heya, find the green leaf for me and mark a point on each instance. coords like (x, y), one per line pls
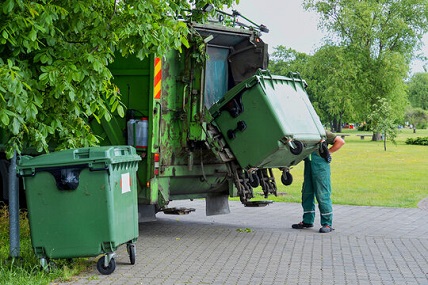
(77, 76)
(185, 42)
(98, 66)
(4, 118)
(15, 126)
(114, 106)
(9, 63)
(33, 35)
(5, 34)
(121, 111)
(44, 58)
(97, 118)
(32, 111)
(52, 76)
(8, 6)
(90, 58)
(38, 100)
(44, 77)
(33, 12)
(71, 95)
(107, 116)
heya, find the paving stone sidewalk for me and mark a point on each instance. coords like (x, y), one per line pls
(371, 245)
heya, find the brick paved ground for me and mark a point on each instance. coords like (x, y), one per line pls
(371, 245)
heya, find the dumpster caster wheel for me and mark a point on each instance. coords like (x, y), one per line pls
(132, 252)
(297, 148)
(106, 270)
(47, 265)
(286, 178)
(44, 264)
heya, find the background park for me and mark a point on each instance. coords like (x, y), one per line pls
(359, 75)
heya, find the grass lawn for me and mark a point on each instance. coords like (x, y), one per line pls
(364, 174)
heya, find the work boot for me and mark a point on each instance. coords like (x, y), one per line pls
(301, 225)
(326, 229)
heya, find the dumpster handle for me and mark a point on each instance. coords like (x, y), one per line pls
(33, 173)
(184, 96)
(98, 168)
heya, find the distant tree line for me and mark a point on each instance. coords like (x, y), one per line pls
(361, 73)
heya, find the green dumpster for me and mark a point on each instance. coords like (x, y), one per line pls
(268, 121)
(82, 203)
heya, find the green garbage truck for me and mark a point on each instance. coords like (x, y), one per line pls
(211, 122)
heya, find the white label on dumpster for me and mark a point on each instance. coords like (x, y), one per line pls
(125, 183)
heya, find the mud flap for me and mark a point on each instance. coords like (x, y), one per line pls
(217, 205)
(146, 213)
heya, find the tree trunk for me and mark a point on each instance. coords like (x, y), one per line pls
(339, 129)
(384, 142)
(336, 125)
(377, 137)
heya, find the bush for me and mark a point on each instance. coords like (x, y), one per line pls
(417, 141)
(422, 125)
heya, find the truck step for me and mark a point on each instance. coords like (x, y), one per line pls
(178, 211)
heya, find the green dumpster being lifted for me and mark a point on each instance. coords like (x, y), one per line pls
(268, 121)
(82, 203)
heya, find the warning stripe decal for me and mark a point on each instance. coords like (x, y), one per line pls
(158, 78)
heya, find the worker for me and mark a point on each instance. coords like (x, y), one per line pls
(317, 184)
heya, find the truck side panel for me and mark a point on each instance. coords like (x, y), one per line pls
(134, 79)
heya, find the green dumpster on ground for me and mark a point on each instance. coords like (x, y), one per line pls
(82, 203)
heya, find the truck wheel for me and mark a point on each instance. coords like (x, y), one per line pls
(106, 270)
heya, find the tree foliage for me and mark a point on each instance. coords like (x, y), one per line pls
(382, 121)
(418, 90)
(417, 117)
(375, 26)
(285, 60)
(54, 57)
(379, 38)
(332, 75)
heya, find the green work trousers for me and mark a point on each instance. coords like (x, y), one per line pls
(317, 185)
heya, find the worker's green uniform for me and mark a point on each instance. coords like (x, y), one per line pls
(317, 185)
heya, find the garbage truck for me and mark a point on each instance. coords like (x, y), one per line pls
(211, 121)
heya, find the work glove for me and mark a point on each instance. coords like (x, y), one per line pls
(324, 153)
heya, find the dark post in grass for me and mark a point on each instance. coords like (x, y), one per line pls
(13, 209)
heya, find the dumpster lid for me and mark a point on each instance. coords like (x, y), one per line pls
(106, 154)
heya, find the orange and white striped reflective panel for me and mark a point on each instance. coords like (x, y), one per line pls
(158, 78)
